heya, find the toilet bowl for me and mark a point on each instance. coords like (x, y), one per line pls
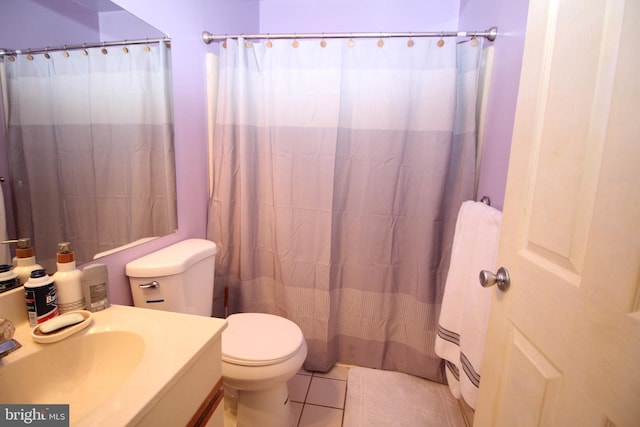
(260, 352)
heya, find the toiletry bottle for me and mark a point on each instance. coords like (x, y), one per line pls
(40, 295)
(8, 279)
(95, 284)
(68, 280)
(25, 260)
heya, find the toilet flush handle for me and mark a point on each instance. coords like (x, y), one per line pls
(153, 284)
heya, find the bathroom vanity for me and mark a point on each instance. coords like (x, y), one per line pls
(128, 367)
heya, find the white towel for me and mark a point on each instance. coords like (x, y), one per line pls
(462, 327)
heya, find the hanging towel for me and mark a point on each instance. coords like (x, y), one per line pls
(464, 315)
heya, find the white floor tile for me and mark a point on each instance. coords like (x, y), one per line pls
(303, 371)
(338, 372)
(296, 411)
(327, 392)
(320, 416)
(298, 387)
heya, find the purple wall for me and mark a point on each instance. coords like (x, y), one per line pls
(510, 16)
(31, 23)
(184, 21)
(291, 16)
(120, 24)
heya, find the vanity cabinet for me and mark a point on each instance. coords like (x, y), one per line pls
(196, 398)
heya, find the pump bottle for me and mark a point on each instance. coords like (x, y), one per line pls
(68, 280)
(25, 260)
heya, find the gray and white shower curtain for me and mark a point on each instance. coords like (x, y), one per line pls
(338, 174)
(90, 143)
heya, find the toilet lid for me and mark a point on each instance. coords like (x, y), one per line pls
(259, 339)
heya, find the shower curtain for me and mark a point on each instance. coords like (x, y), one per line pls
(92, 129)
(339, 170)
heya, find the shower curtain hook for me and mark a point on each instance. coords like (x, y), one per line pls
(380, 41)
(323, 42)
(268, 43)
(351, 43)
(441, 41)
(410, 43)
(295, 43)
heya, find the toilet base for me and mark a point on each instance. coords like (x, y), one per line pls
(265, 408)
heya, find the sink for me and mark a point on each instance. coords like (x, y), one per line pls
(114, 371)
(88, 369)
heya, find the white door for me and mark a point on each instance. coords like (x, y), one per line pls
(563, 347)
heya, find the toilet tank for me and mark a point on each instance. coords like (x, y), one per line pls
(176, 278)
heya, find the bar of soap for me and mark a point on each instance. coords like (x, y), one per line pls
(60, 322)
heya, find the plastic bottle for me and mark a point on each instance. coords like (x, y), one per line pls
(8, 279)
(41, 298)
(25, 260)
(68, 280)
(95, 284)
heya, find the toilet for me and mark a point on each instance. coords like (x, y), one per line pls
(260, 352)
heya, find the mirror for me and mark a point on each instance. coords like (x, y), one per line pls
(128, 150)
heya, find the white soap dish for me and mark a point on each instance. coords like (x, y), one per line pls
(64, 332)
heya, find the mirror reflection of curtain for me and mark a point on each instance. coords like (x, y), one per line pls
(339, 172)
(91, 153)
(5, 254)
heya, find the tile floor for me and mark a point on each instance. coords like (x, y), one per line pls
(317, 399)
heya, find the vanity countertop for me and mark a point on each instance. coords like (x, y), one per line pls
(153, 349)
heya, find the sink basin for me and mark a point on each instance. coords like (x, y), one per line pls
(88, 369)
(114, 371)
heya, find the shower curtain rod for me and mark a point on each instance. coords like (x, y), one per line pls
(489, 34)
(7, 52)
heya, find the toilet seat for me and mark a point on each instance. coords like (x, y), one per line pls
(259, 339)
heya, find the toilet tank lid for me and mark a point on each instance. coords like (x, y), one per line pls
(173, 259)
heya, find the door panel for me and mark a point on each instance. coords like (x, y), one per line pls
(563, 347)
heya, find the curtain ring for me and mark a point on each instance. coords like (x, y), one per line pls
(351, 43)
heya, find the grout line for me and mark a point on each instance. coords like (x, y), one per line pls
(304, 404)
